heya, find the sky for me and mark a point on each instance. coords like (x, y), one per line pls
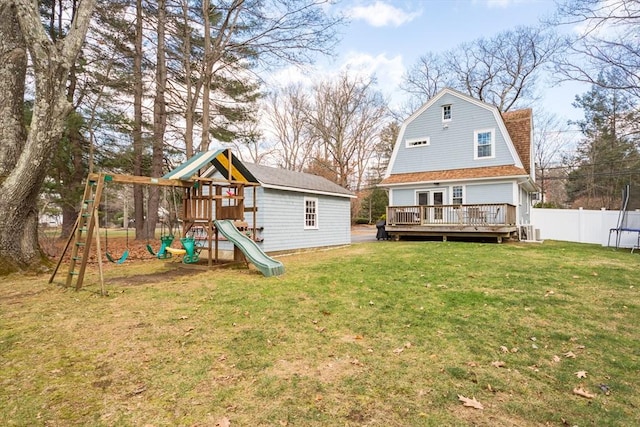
(385, 38)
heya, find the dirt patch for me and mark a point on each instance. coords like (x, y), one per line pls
(326, 372)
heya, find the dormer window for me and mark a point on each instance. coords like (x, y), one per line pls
(446, 113)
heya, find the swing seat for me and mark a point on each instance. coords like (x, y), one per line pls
(176, 251)
(122, 259)
(163, 253)
(189, 245)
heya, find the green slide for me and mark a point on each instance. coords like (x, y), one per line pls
(267, 265)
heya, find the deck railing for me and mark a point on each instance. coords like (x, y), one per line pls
(472, 214)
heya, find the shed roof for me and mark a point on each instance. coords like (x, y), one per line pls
(294, 181)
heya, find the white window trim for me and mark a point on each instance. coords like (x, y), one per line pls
(304, 217)
(411, 142)
(450, 113)
(464, 193)
(475, 143)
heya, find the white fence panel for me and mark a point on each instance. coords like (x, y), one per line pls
(584, 226)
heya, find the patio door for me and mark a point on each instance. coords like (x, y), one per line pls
(433, 199)
(438, 199)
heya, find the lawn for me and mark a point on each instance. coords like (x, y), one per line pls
(376, 334)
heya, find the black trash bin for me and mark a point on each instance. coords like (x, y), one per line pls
(382, 233)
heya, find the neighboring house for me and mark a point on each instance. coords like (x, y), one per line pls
(461, 168)
(297, 210)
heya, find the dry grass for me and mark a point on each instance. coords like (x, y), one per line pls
(380, 334)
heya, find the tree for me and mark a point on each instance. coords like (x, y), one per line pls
(608, 41)
(550, 143)
(52, 62)
(287, 110)
(608, 157)
(344, 122)
(501, 70)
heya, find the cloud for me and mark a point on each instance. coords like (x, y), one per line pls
(388, 71)
(503, 4)
(381, 14)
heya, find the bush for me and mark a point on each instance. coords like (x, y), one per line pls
(362, 221)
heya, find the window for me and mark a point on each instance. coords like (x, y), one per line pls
(446, 113)
(457, 195)
(417, 142)
(483, 143)
(310, 213)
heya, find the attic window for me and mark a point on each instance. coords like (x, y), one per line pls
(446, 113)
(417, 142)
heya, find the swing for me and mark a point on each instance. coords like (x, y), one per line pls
(165, 242)
(125, 254)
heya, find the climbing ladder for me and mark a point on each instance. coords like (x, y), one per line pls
(82, 233)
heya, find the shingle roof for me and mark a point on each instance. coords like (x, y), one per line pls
(295, 180)
(454, 174)
(519, 124)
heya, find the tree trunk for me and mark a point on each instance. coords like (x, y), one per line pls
(159, 121)
(20, 189)
(138, 148)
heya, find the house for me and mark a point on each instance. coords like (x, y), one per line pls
(461, 168)
(296, 210)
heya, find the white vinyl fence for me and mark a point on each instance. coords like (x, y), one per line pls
(584, 226)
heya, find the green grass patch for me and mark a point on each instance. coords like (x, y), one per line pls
(377, 334)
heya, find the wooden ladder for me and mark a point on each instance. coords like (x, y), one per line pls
(82, 233)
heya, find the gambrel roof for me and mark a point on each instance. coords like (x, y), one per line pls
(515, 126)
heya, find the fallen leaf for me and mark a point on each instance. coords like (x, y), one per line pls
(359, 337)
(514, 350)
(556, 359)
(222, 358)
(497, 364)
(407, 345)
(580, 347)
(581, 374)
(569, 355)
(583, 393)
(546, 294)
(504, 349)
(605, 389)
(223, 422)
(472, 364)
(398, 350)
(471, 403)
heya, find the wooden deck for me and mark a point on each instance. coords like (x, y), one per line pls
(473, 220)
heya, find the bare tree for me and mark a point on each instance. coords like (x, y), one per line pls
(607, 41)
(287, 110)
(501, 70)
(550, 145)
(345, 120)
(238, 35)
(52, 62)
